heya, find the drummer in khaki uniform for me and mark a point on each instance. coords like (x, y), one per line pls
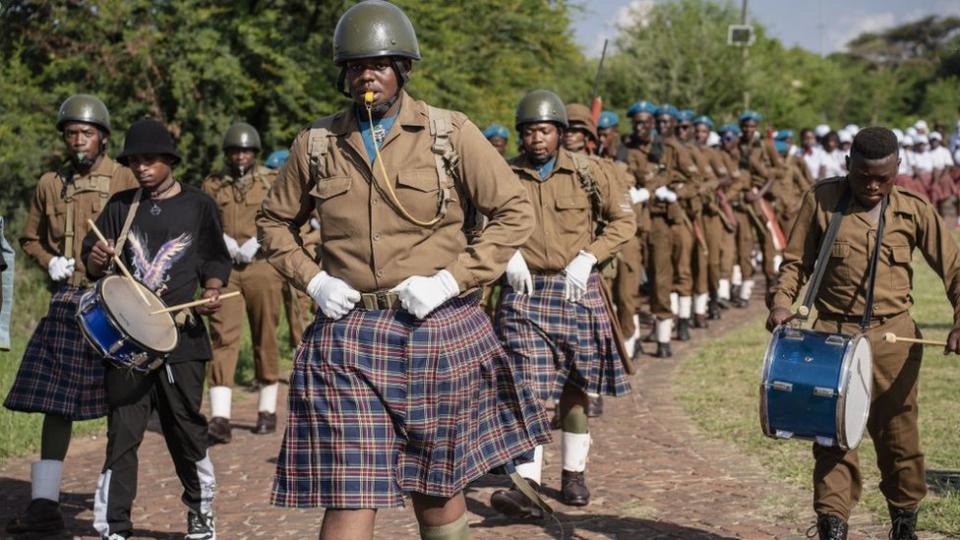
(552, 317)
(910, 223)
(59, 209)
(239, 191)
(400, 385)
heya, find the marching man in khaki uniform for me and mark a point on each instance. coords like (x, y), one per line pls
(870, 203)
(239, 191)
(552, 317)
(400, 386)
(59, 209)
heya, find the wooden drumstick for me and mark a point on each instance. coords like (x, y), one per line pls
(199, 302)
(890, 337)
(119, 263)
(801, 313)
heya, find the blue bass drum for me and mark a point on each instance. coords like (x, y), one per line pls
(816, 386)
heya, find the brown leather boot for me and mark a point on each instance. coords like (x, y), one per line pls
(266, 423)
(573, 489)
(513, 503)
(218, 431)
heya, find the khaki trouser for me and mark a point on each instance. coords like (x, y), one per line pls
(745, 243)
(720, 250)
(668, 266)
(260, 285)
(298, 308)
(837, 482)
(699, 260)
(626, 289)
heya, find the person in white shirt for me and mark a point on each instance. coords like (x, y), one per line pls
(905, 176)
(812, 154)
(943, 188)
(955, 142)
(833, 156)
(846, 141)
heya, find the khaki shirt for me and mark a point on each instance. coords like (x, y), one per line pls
(640, 166)
(788, 189)
(911, 223)
(44, 236)
(564, 216)
(364, 240)
(761, 160)
(239, 200)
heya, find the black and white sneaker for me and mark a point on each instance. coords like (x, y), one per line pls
(200, 527)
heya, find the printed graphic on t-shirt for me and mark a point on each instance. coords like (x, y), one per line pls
(154, 271)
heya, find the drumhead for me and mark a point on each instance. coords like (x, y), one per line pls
(155, 332)
(859, 384)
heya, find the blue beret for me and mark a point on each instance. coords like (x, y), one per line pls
(784, 134)
(685, 114)
(729, 128)
(751, 115)
(666, 108)
(496, 130)
(781, 146)
(703, 119)
(608, 119)
(641, 106)
(276, 159)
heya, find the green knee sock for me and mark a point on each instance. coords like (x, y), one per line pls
(458, 530)
(55, 437)
(575, 421)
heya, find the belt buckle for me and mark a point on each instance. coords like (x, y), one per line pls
(383, 301)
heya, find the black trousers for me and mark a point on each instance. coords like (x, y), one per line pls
(175, 392)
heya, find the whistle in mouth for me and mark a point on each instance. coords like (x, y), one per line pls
(368, 97)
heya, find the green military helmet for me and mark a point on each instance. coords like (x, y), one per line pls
(374, 28)
(241, 135)
(84, 108)
(541, 106)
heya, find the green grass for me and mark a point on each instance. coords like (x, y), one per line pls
(21, 431)
(719, 386)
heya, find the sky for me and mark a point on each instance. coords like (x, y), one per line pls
(821, 26)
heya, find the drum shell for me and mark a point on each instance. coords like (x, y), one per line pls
(804, 387)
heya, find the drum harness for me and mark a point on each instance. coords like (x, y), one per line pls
(821, 264)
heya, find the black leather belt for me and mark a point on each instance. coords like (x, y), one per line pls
(856, 318)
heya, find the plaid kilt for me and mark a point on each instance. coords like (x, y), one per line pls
(60, 373)
(553, 341)
(381, 403)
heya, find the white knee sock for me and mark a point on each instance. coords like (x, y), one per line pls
(700, 304)
(674, 303)
(664, 329)
(736, 277)
(267, 399)
(746, 289)
(534, 469)
(686, 307)
(220, 401)
(777, 260)
(723, 289)
(45, 479)
(636, 327)
(575, 447)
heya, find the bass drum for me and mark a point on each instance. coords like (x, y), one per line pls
(816, 386)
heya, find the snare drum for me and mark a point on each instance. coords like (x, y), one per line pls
(116, 322)
(816, 386)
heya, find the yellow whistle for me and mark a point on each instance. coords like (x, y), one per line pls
(368, 97)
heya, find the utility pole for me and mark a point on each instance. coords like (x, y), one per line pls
(743, 58)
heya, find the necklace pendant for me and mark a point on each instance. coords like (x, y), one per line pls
(155, 210)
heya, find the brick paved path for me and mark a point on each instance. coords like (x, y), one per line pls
(652, 474)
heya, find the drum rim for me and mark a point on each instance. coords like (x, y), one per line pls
(106, 306)
(764, 376)
(843, 383)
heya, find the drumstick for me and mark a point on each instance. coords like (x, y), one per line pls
(199, 302)
(802, 313)
(119, 263)
(890, 337)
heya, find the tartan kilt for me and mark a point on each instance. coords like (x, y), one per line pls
(553, 341)
(381, 403)
(60, 373)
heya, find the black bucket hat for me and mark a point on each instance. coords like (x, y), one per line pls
(148, 136)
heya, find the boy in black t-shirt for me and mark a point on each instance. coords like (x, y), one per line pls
(174, 244)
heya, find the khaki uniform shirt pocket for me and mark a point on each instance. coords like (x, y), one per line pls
(56, 216)
(419, 192)
(840, 262)
(900, 258)
(327, 194)
(573, 216)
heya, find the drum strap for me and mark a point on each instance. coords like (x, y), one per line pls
(131, 213)
(824, 256)
(874, 259)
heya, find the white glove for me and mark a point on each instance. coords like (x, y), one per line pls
(664, 193)
(577, 275)
(420, 295)
(248, 250)
(639, 195)
(334, 296)
(60, 268)
(518, 275)
(314, 223)
(232, 246)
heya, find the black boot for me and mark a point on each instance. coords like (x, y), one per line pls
(683, 330)
(904, 524)
(594, 406)
(41, 516)
(831, 527)
(573, 489)
(663, 350)
(735, 291)
(700, 321)
(512, 502)
(740, 303)
(713, 310)
(652, 336)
